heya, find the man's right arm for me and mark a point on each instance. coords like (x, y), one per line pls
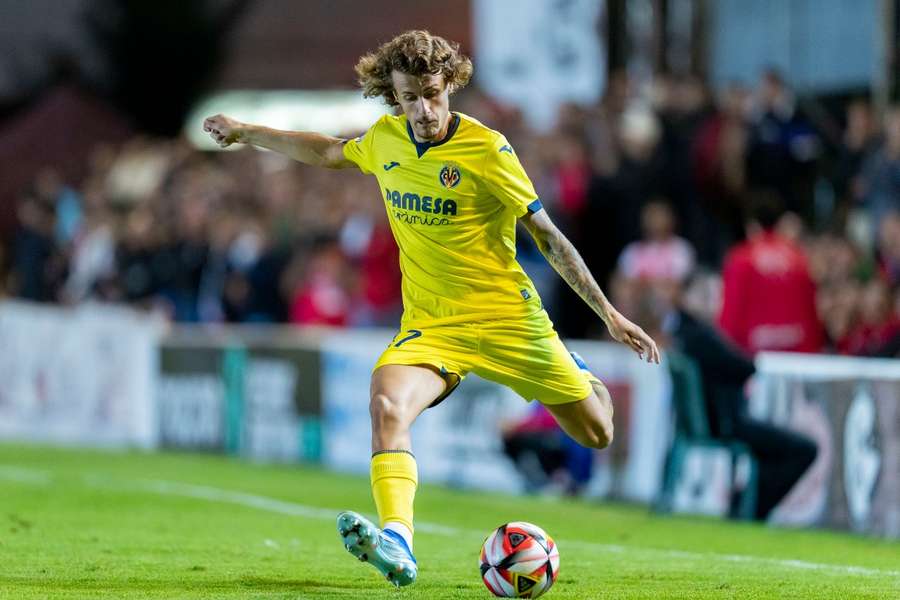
(307, 147)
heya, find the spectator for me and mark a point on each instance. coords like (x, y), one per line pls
(783, 456)
(92, 257)
(834, 259)
(889, 247)
(629, 175)
(878, 323)
(837, 305)
(660, 254)
(858, 144)
(782, 147)
(324, 295)
(34, 251)
(718, 153)
(880, 178)
(547, 458)
(768, 297)
(683, 111)
(367, 240)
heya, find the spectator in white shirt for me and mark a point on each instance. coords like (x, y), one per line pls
(660, 255)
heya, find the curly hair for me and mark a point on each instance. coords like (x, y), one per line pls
(415, 53)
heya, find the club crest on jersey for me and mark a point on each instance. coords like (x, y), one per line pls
(450, 176)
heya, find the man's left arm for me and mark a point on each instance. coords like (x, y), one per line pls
(566, 260)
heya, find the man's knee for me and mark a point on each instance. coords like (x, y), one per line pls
(600, 434)
(602, 426)
(387, 412)
(596, 433)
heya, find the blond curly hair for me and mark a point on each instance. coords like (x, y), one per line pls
(415, 53)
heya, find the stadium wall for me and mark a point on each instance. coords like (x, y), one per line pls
(851, 408)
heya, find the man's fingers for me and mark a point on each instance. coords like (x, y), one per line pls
(643, 344)
(636, 345)
(654, 352)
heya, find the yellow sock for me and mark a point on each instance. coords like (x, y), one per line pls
(394, 481)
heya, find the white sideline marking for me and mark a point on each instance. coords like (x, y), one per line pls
(212, 494)
(25, 475)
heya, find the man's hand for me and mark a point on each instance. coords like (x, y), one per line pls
(225, 131)
(623, 330)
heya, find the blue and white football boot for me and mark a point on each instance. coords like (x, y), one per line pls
(384, 549)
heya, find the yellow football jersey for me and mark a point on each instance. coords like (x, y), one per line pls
(453, 207)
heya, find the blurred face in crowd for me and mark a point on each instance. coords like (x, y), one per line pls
(771, 90)
(624, 292)
(425, 101)
(702, 296)
(860, 125)
(688, 95)
(639, 133)
(892, 129)
(48, 183)
(837, 307)
(790, 226)
(875, 301)
(657, 221)
(735, 101)
(667, 292)
(889, 236)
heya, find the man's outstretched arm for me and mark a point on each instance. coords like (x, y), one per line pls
(564, 258)
(307, 147)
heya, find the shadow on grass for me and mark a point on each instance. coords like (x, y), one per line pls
(133, 585)
(273, 584)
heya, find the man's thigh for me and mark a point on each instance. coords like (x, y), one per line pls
(446, 350)
(528, 356)
(413, 387)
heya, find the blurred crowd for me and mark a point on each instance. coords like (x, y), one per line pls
(657, 184)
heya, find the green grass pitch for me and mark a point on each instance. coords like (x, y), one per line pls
(87, 524)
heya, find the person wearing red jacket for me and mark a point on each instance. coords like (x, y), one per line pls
(769, 297)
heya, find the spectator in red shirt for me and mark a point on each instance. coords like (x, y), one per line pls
(324, 296)
(769, 298)
(878, 324)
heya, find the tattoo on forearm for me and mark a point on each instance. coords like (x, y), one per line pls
(564, 258)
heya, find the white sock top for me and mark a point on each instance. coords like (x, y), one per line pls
(401, 529)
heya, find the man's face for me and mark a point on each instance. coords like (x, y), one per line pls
(425, 101)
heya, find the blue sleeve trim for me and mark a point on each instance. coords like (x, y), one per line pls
(535, 206)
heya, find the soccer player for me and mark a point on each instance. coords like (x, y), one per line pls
(454, 190)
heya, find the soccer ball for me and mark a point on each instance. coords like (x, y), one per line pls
(519, 560)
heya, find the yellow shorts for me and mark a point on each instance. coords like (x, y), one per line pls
(524, 354)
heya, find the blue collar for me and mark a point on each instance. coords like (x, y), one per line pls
(422, 147)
